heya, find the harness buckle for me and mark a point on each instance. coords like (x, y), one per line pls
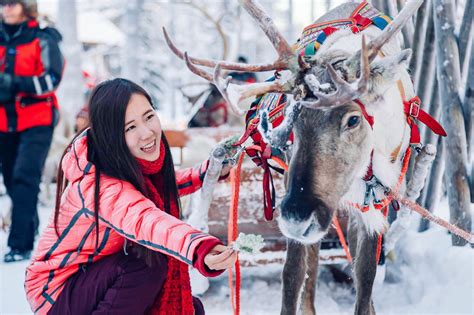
(371, 182)
(414, 108)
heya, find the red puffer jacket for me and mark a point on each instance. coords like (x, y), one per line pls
(124, 214)
(30, 60)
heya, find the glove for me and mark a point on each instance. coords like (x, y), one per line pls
(6, 88)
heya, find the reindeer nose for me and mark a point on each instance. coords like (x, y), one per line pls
(295, 206)
(299, 207)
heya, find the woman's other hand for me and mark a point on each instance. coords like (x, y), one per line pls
(220, 257)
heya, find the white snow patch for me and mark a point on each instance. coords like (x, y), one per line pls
(445, 26)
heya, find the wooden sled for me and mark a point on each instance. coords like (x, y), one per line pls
(251, 219)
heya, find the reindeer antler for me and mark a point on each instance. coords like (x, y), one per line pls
(285, 52)
(235, 66)
(392, 28)
(234, 93)
(279, 136)
(345, 92)
(196, 70)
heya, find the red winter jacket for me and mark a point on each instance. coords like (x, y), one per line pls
(124, 214)
(31, 60)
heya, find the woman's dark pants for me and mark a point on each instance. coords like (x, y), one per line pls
(118, 284)
(22, 157)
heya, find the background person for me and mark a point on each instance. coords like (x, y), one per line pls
(31, 67)
(243, 77)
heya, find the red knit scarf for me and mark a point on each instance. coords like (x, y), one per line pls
(175, 297)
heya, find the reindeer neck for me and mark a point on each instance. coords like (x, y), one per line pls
(391, 138)
(391, 132)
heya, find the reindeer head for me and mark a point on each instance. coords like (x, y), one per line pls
(333, 139)
(332, 145)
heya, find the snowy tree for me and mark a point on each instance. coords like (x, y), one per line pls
(130, 25)
(449, 80)
(70, 92)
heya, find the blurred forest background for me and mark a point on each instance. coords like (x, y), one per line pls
(110, 38)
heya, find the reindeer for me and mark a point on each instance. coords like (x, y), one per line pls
(347, 114)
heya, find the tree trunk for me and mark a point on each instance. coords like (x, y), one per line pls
(419, 38)
(468, 105)
(427, 58)
(393, 12)
(70, 92)
(409, 29)
(434, 111)
(328, 5)
(130, 51)
(423, 87)
(290, 29)
(429, 136)
(384, 7)
(465, 32)
(449, 79)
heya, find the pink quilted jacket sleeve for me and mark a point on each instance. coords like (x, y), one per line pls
(137, 218)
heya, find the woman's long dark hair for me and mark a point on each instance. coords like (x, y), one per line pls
(109, 153)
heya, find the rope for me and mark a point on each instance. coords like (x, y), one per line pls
(342, 239)
(280, 163)
(412, 205)
(378, 252)
(232, 233)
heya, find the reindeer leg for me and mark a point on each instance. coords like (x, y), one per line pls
(352, 230)
(309, 290)
(365, 267)
(293, 276)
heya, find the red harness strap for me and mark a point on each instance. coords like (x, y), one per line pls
(413, 111)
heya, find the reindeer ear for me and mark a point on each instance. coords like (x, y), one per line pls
(386, 71)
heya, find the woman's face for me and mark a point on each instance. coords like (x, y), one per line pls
(13, 13)
(142, 129)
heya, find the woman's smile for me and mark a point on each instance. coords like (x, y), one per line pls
(150, 147)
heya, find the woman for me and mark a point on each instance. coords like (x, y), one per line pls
(31, 67)
(115, 244)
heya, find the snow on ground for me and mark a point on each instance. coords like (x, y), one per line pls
(436, 278)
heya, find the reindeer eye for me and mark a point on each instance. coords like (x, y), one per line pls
(353, 121)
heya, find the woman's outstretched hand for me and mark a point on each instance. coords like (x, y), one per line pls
(220, 257)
